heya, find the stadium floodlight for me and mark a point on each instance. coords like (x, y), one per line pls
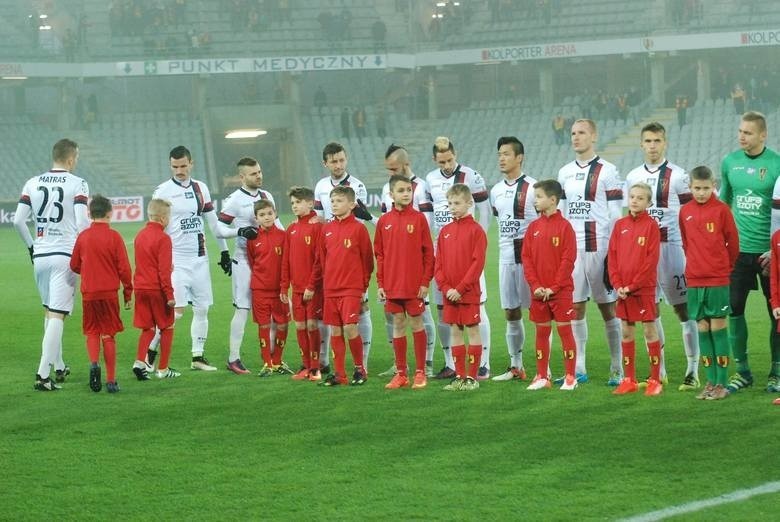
(43, 16)
(44, 28)
(244, 133)
(441, 4)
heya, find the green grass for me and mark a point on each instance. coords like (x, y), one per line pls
(222, 446)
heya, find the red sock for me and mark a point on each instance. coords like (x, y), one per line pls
(420, 346)
(542, 350)
(339, 354)
(279, 342)
(459, 356)
(569, 348)
(143, 343)
(654, 350)
(399, 348)
(475, 357)
(166, 343)
(629, 359)
(303, 344)
(109, 355)
(314, 348)
(93, 348)
(265, 346)
(356, 347)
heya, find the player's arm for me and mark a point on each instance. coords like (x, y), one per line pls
(613, 187)
(80, 210)
(427, 252)
(75, 257)
(613, 261)
(568, 257)
(481, 197)
(476, 265)
(438, 268)
(725, 194)
(211, 220)
(774, 277)
(225, 228)
(123, 267)
(165, 267)
(361, 210)
(379, 253)
(284, 283)
(732, 237)
(368, 257)
(648, 265)
(775, 219)
(529, 270)
(23, 213)
(426, 205)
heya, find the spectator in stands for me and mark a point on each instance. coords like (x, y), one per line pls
(69, 45)
(622, 107)
(558, 129)
(722, 82)
(320, 99)
(79, 111)
(379, 34)
(345, 122)
(680, 106)
(92, 109)
(381, 123)
(738, 97)
(359, 122)
(602, 102)
(81, 35)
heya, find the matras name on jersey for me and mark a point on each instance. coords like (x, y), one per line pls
(127, 209)
(529, 52)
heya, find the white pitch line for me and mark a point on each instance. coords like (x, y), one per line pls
(698, 505)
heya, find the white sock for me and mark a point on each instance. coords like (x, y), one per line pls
(59, 363)
(661, 337)
(484, 332)
(366, 331)
(690, 335)
(614, 330)
(430, 333)
(579, 328)
(52, 340)
(155, 340)
(324, 344)
(515, 338)
(444, 338)
(237, 325)
(199, 330)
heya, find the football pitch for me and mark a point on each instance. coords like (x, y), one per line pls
(223, 446)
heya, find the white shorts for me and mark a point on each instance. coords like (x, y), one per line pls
(512, 286)
(192, 282)
(671, 275)
(589, 278)
(56, 282)
(240, 280)
(438, 299)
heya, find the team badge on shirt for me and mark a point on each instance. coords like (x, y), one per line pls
(278, 250)
(710, 227)
(641, 240)
(410, 228)
(307, 240)
(347, 243)
(556, 241)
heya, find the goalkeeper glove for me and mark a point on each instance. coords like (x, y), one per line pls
(225, 262)
(248, 232)
(361, 212)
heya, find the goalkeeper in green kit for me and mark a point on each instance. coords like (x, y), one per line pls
(750, 185)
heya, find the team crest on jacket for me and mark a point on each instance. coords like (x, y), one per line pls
(641, 240)
(556, 241)
(347, 243)
(762, 173)
(307, 240)
(278, 250)
(410, 228)
(710, 227)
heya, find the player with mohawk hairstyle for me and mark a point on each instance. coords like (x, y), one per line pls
(440, 180)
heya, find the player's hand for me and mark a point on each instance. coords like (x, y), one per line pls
(308, 294)
(284, 299)
(453, 295)
(422, 292)
(623, 292)
(129, 304)
(548, 293)
(31, 250)
(380, 293)
(248, 232)
(171, 303)
(316, 219)
(225, 262)
(361, 212)
(776, 313)
(539, 293)
(765, 260)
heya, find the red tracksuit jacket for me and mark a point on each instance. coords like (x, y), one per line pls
(265, 254)
(774, 272)
(298, 258)
(711, 242)
(634, 249)
(154, 260)
(345, 260)
(549, 252)
(460, 258)
(100, 256)
(404, 253)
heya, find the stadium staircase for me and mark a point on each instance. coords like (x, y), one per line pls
(624, 150)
